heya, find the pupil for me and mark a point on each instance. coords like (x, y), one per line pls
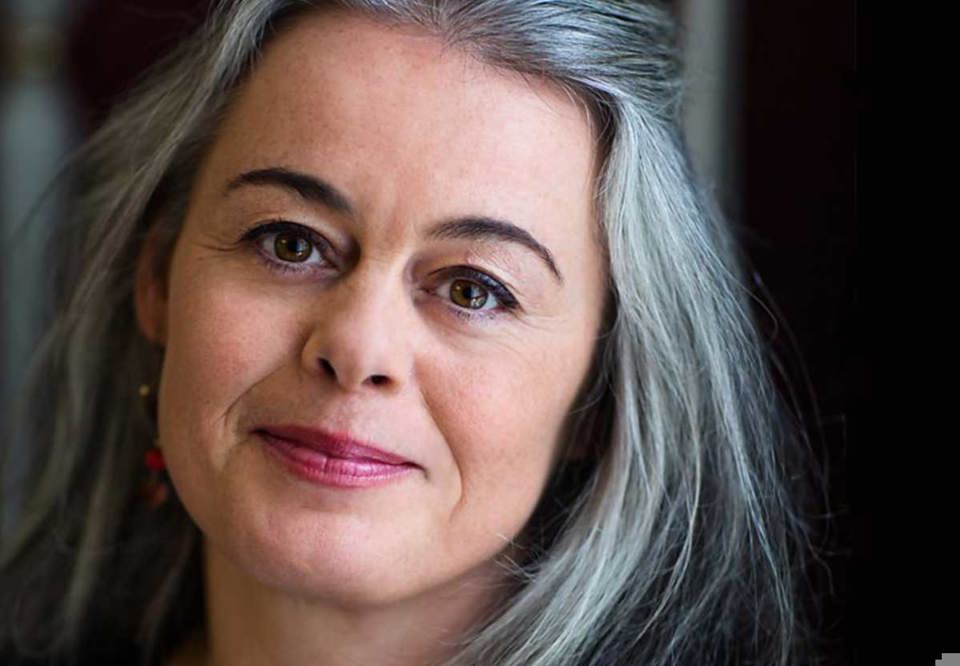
(473, 295)
(292, 248)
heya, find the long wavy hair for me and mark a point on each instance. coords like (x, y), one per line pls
(682, 538)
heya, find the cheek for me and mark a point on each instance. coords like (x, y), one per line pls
(216, 351)
(502, 418)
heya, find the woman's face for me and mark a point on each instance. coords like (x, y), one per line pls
(370, 308)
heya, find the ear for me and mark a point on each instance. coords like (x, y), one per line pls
(150, 290)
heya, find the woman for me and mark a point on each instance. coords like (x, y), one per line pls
(446, 358)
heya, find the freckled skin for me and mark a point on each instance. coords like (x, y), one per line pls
(413, 134)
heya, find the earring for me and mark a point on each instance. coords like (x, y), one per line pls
(155, 489)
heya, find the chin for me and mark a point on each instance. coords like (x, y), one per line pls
(324, 561)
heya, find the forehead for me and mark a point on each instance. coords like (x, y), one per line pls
(390, 115)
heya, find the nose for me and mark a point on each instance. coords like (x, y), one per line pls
(356, 337)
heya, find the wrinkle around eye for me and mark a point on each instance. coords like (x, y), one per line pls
(523, 281)
(512, 268)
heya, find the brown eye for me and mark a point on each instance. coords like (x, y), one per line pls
(292, 247)
(468, 294)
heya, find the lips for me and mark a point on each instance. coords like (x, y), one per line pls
(334, 445)
(332, 460)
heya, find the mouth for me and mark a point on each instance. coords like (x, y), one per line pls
(332, 460)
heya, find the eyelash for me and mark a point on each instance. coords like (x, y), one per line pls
(507, 303)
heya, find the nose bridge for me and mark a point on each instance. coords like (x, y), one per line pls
(355, 339)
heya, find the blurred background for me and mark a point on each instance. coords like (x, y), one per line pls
(775, 93)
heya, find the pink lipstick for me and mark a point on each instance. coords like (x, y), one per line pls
(332, 459)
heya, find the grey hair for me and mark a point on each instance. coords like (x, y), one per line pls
(681, 539)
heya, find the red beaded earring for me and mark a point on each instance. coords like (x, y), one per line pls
(155, 489)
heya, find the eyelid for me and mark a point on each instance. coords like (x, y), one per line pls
(262, 229)
(506, 301)
(495, 287)
(279, 226)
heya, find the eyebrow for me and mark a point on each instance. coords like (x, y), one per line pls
(310, 188)
(473, 227)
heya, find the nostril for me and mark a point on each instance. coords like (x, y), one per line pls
(328, 368)
(378, 379)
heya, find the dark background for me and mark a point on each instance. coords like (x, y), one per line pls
(801, 98)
